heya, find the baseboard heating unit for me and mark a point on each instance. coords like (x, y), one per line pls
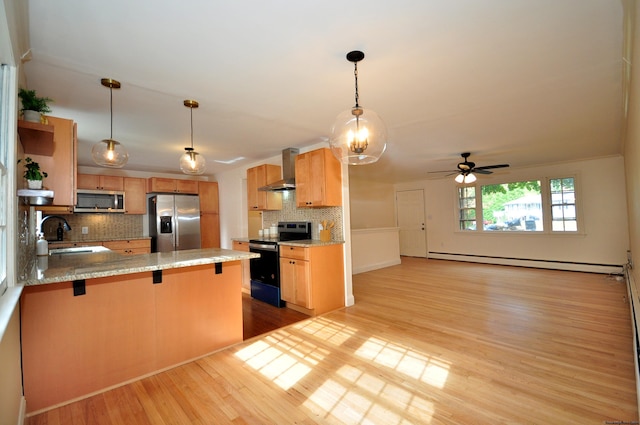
(524, 262)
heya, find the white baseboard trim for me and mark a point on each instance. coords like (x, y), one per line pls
(632, 292)
(541, 264)
(376, 266)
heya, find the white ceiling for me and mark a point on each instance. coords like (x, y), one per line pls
(523, 82)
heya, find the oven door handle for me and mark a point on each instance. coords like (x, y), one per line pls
(264, 247)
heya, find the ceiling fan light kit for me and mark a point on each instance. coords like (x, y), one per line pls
(358, 136)
(465, 178)
(191, 162)
(109, 152)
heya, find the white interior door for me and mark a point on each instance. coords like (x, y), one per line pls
(410, 213)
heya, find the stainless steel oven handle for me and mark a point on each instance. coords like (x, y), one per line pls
(265, 247)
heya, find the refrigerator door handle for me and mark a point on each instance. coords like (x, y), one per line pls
(176, 232)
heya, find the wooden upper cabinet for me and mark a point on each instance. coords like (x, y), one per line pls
(318, 179)
(208, 192)
(187, 186)
(165, 185)
(209, 218)
(135, 195)
(100, 182)
(60, 165)
(260, 176)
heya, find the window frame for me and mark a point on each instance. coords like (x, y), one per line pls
(545, 193)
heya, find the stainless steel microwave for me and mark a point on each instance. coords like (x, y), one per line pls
(110, 201)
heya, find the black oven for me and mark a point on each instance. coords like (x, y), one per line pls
(265, 271)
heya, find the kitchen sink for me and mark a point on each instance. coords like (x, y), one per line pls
(78, 250)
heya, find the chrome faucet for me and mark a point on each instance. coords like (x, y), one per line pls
(65, 225)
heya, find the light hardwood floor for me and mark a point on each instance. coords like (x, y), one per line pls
(427, 342)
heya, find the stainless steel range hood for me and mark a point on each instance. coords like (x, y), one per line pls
(288, 181)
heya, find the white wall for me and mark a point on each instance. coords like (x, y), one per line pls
(601, 200)
(372, 204)
(373, 249)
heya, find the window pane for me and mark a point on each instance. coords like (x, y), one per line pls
(563, 205)
(467, 207)
(513, 206)
(468, 214)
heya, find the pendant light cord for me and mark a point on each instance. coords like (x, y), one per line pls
(355, 74)
(111, 108)
(191, 108)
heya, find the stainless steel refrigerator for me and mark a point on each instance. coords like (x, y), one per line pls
(174, 222)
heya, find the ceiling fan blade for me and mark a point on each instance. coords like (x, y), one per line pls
(488, 167)
(481, 171)
(443, 171)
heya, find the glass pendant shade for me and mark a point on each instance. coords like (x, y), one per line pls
(109, 153)
(191, 162)
(358, 137)
(465, 178)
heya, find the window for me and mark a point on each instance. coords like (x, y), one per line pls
(467, 197)
(524, 206)
(512, 206)
(6, 100)
(563, 205)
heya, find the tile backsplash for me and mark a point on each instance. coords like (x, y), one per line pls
(100, 227)
(290, 212)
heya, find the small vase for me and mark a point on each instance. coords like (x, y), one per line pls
(34, 184)
(31, 116)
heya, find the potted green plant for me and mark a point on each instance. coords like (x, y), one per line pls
(33, 174)
(33, 106)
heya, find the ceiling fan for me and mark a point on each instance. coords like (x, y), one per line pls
(466, 169)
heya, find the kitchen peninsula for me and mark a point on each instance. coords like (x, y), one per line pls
(92, 321)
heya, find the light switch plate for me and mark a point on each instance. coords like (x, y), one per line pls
(85, 230)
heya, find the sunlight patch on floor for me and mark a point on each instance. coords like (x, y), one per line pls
(327, 330)
(349, 398)
(281, 357)
(346, 394)
(402, 359)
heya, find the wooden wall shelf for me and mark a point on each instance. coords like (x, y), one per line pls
(36, 138)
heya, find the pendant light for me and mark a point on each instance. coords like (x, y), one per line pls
(191, 162)
(109, 152)
(359, 135)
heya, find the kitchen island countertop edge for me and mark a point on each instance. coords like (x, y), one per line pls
(62, 268)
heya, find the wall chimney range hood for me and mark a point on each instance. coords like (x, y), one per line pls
(288, 181)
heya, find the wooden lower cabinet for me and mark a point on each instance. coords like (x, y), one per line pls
(295, 282)
(129, 247)
(312, 278)
(246, 265)
(123, 328)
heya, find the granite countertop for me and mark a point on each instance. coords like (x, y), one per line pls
(66, 267)
(308, 243)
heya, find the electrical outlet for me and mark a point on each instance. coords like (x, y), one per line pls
(85, 230)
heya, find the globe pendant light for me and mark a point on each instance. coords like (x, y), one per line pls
(191, 162)
(109, 152)
(358, 136)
